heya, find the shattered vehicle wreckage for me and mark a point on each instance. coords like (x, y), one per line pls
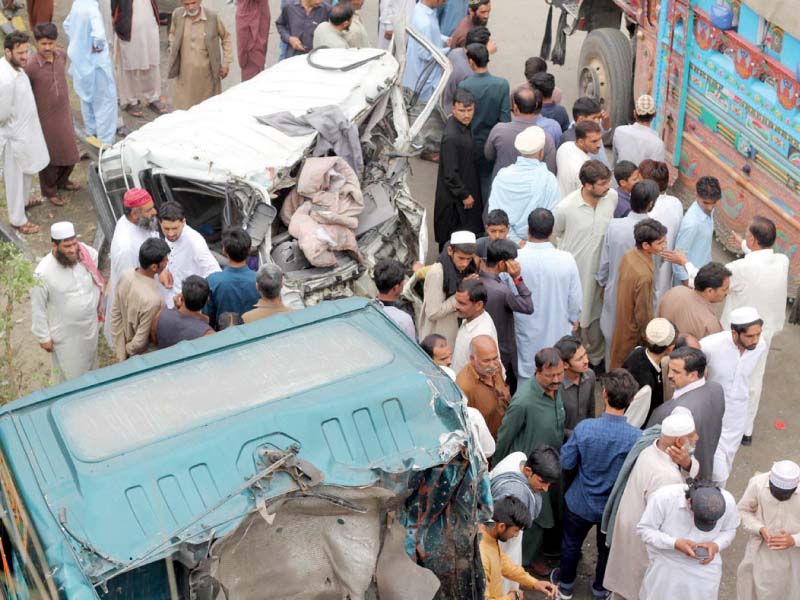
(235, 158)
(349, 473)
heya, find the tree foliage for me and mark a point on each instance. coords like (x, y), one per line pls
(16, 281)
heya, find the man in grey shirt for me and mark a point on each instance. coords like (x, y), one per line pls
(639, 141)
(577, 389)
(331, 33)
(297, 23)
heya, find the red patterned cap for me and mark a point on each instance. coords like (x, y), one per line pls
(136, 197)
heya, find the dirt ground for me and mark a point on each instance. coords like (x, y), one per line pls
(782, 380)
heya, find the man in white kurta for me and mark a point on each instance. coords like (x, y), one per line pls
(571, 155)
(732, 357)
(668, 211)
(65, 304)
(759, 280)
(476, 321)
(138, 60)
(770, 513)
(581, 221)
(671, 519)
(133, 228)
(655, 468)
(21, 139)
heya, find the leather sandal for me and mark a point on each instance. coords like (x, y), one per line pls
(56, 201)
(28, 228)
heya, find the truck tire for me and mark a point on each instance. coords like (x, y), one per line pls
(605, 72)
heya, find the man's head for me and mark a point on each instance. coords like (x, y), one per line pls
(478, 56)
(534, 65)
(357, 4)
(65, 243)
(479, 11)
(585, 108)
(45, 35)
(706, 503)
(619, 388)
(650, 236)
(543, 468)
(470, 299)
(462, 249)
(499, 252)
(657, 171)
(645, 109)
(341, 16)
(530, 142)
(269, 281)
(709, 193)
(545, 83)
(16, 46)
(678, 429)
(236, 244)
(484, 356)
(595, 178)
(463, 106)
(659, 337)
(194, 290)
(588, 136)
(686, 365)
(510, 517)
(627, 175)
(746, 326)
(389, 275)
(549, 370)
(540, 224)
(571, 350)
(644, 195)
(438, 349)
(153, 255)
(687, 340)
(481, 35)
(138, 208)
(784, 477)
(192, 7)
(172, 220)
(712, 282)
(761, 234)
(527, 101)
(497, 224)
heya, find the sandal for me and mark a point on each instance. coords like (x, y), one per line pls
(158, 107)
(28, 228)
(71, 186)
(134, 111)
(56, 201)
(34, 201)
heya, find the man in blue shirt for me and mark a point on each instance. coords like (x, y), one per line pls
(697, 228)
(597, 449)
(234, 289)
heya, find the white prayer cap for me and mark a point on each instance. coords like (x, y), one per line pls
(677, 425)
(785, 474)
(744, 315)
(462, 237)
(660, 332)
(530, 140)
(63, 230)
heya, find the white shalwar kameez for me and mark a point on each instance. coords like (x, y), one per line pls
(671, 575)
(64, 311)
(124, 256)
(732, 370)
(668, 211)
(189, 255)
(569, 160)
(21, 140)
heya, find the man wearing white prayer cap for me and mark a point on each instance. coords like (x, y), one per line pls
(732, 358)
(66, 303)
(668, 460)
(770, 514)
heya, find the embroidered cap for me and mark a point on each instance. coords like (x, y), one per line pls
(708, 506)
(785, 474)
(136, 197)
(645, 105)
(660, 332)
(63, 230)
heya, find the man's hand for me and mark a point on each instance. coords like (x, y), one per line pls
(547, 588)
(780, 541)
(686, 546)
(521, 243)
(764, 533)
(295, 43)
(735, 240)
(676, 257)
(680, 456)
(388, 34)
(166, 279)
(47, 346)
(491, 46)
(473, 276)
(223, 71)
(712, 551)
(469, 202)
(513, 268)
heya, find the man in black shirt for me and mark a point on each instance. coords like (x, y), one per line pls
(644, 362)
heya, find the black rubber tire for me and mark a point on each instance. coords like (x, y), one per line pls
(612, 50)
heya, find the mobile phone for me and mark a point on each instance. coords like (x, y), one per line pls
(701, 552)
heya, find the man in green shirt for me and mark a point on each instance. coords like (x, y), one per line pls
(535, 418)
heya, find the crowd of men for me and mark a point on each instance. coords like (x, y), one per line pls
(555, 273)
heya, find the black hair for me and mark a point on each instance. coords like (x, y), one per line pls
(14, 39)
(643, 195)
(708, 188)
(340, 13)
(387, 273)
(171, 211)
(648, 231)
(228, 319)
(593, 171)
(511, 512)
(152, 252)
(657, 348)
(478, 35)
(567, 346)
(475, 290)
(547, 357)
(620, 387)
(545, 83)
(463, 97)
(194, 290)
(624, 169)
(533, 66)
(497, 217)
(584, 128)
(500, 250)
(236, 243)
(528, 100)
(430, 342)
(657, 171)
(682, 341)
(694, 360)
(540, 223)
(764, 231)
(479, 54)
(711, 275)
(585, 106)
(741, 328)
(45, 31)
(545, 462)
(464, 248)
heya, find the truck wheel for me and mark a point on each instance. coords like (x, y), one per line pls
(605, 72)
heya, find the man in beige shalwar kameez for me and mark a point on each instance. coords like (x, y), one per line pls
(770, 513)
(197, 66)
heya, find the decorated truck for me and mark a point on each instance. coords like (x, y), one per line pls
(724, 74)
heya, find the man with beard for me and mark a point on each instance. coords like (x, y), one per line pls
(477, 16)
(21, 138)
(66, 304)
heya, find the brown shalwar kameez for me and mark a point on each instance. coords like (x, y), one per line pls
(39, 11)
(634, 304)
